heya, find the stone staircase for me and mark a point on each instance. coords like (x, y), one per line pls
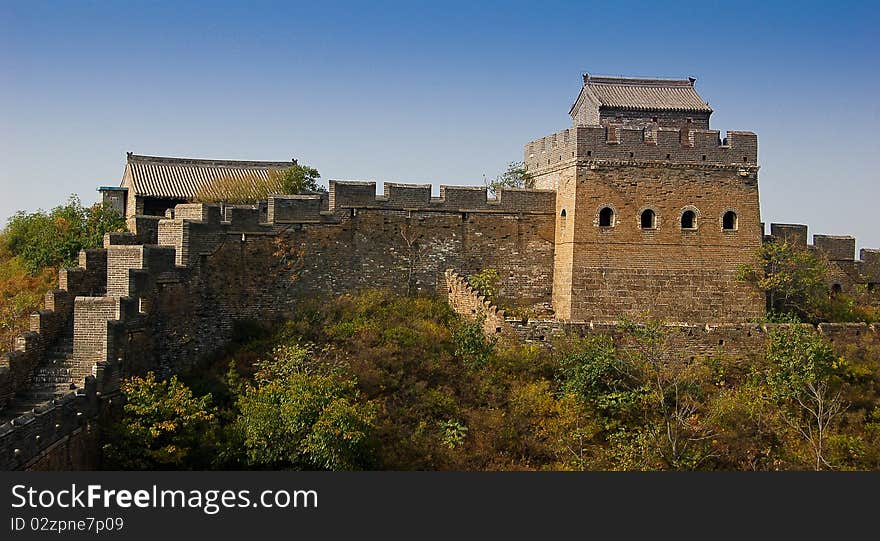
(57, 376)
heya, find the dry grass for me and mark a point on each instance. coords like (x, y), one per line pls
(244, 190)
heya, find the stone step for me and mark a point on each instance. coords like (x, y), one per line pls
(41, 382)
(49, 393)
(19, 408)
(55, 377)
(25, 403)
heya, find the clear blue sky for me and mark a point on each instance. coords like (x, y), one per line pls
(439, 93)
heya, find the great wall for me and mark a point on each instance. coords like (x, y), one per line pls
(645, 213)
(168, 292)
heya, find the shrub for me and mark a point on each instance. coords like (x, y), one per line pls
(20, 294)
(516, 176)
(471, 345)
(486, 282)
(163, 427)
(296, 415)
(55, 239)
(249, 189)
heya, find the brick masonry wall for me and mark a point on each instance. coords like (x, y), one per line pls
(603, 273)
(90, 335)
(638, 119)
(48, 325)
(178, 302)
(744, 342)
(89, 278)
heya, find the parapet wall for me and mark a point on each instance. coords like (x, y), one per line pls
(210, 265)
(295, 208)
(37, 435)
(17, 366)
(355, 195)
(742, 341)
(652, 144)
(840, 251)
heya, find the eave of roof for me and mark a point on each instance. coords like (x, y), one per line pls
(201, 162)
(184, 178)
(642, 94)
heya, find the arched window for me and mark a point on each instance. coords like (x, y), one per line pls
(729, 221)
(836, 289)
(562, 220)
(688, 219)
(648, 219)
(606, 217)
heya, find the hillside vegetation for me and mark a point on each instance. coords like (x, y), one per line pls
(378, 381)
(33, 246)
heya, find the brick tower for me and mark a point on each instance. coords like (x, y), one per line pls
(655, 212)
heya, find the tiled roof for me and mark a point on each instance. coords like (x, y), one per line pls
(183, 178)
(644, 94)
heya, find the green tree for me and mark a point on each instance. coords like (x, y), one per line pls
(516, 176)
(163, 427)
(295, 415)
(671, 387)
(590, 370)
(471, 344)
(299, 179)
(486, 282)
(794, 279)
(804, 376)
(55, 238)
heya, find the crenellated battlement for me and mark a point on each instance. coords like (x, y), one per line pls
(359, 194)
(49, 325)
(651, 144)
(309, 208)
(473, 305)
(840, 251)
(650, 215)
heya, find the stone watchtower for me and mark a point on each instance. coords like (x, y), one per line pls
(655, 212)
